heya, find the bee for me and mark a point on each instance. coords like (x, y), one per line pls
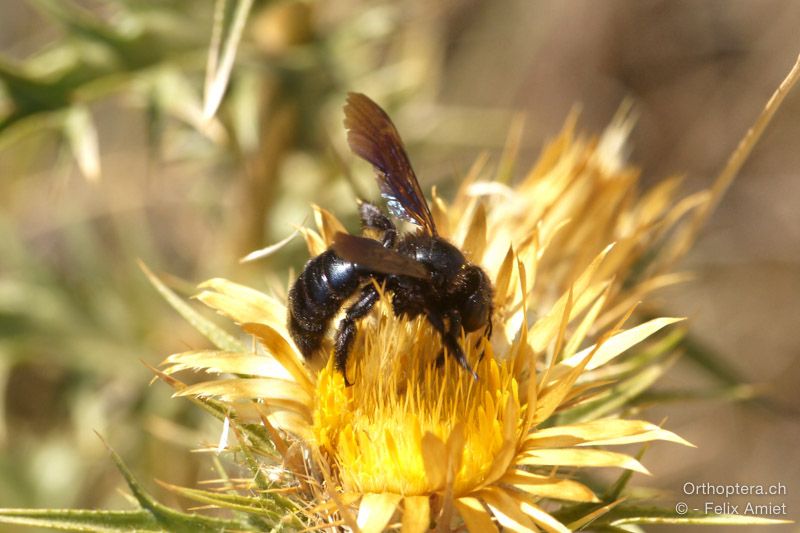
(424, 273)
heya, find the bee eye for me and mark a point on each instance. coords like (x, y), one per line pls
(474, 298)
(475, 313)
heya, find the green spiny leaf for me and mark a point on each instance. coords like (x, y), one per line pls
(274, 508)
(82, 520)
(167, 518)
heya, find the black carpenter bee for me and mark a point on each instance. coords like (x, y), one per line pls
(425, 274)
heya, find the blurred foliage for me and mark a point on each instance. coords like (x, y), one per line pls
(112, 91)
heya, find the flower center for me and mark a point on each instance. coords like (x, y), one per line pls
(408, 425)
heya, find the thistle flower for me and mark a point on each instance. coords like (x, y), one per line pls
(570, 250)
(421, 444)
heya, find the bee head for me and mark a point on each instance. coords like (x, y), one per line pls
(471, 292)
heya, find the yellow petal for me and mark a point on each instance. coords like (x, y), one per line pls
(226, 362)
(580, 457)
(434, 456)
(242, 304)
(376, 510)
(542, 518)
(293, 423)
(504, 456)
(550, 398)
(549, 486)
(274, 392)
(588, 321)
(528, 255)
(617, 344)
(562, 330)
(507, 510)
(314, 242)
(267, 251)
(658, 434)
(475, 240)
(549, 236)
(416, 514)
(327, 224)
(247, 412)
(653, 204)
(531, 397)
(621, 256)
(475, 516)
(455, 451)
(606, 431)
(545, 329)
(439, 212)
(276, 345)
(503, 278)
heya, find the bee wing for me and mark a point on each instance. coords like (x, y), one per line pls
(373, 137)
(372, 255)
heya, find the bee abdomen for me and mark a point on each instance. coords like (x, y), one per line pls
(317, 296)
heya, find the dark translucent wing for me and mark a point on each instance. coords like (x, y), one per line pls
(372, 255)
(372, 136)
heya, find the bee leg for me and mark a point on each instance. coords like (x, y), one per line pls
(450, 339)
(487, 334)
(372, 217)
(346, 332)
(483, 352)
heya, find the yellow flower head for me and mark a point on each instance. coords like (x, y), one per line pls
(416, 440)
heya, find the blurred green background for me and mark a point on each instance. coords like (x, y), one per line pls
(105, 159)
